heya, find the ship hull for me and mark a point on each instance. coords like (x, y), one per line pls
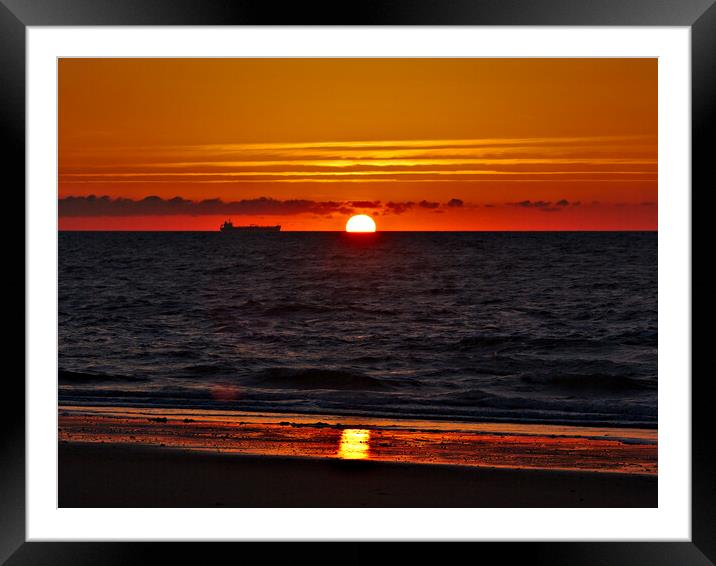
(251, 229)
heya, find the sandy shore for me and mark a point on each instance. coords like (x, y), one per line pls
(495, 445)
(139, 457)
(119, 475)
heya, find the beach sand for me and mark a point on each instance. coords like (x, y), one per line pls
(116, 457)
(119, 475)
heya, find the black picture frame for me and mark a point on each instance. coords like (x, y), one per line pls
(16, 15)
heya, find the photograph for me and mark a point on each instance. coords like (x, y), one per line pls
(357, 282)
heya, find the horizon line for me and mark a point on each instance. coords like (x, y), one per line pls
(376, 232)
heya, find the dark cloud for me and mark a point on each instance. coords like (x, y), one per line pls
(399, 207)
(156, 206)
(455, 203)
(365, 203)
(429, 205)
(541, 205)
(531, 204)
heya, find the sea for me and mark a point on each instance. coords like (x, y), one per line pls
(526, 327)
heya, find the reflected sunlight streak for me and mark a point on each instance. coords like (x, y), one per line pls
(354, 444)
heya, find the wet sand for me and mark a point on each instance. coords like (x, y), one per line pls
(122, 457)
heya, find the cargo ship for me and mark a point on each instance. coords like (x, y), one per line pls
(228, 226)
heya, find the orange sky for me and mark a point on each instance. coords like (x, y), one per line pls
(419, 144)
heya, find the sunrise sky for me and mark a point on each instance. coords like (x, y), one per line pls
(418, 144)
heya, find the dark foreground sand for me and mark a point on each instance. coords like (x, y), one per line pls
(119, 475)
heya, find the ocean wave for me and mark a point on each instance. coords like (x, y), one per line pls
(591, 382)
(485, 340)
(639, 338)
(210, 369)
(287, 309)
(318, 378)
(492, 409)
(626, 338)
(70, 377)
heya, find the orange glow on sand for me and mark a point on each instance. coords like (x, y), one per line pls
(412, 441)
(360, 223)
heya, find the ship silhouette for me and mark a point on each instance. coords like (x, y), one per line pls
(228, 226)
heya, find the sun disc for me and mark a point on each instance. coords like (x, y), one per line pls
(360, 223)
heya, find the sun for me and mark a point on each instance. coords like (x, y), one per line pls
(360, 223)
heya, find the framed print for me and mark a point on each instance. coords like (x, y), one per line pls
(417, 275)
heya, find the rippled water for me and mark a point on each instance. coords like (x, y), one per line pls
(557, 327)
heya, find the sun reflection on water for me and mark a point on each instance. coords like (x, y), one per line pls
(354, 444)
